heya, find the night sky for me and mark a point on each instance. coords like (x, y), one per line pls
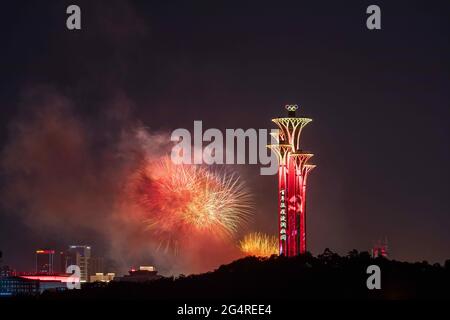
(379, 100)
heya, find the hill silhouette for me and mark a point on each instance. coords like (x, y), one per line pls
(327, 276)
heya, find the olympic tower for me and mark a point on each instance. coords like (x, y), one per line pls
(293, 171)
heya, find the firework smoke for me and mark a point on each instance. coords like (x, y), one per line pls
(259, 244)
(106, 181)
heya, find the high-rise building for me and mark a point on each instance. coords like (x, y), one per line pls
(293, 171)
(6, 271)
(60, 262)
(44, 261)
(79, 255)
(96, 265)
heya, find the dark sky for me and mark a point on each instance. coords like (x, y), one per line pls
(379, 100)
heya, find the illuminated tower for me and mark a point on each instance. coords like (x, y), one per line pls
(292, 176)
(380, 249)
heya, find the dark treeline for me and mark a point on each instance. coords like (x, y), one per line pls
(327, 276)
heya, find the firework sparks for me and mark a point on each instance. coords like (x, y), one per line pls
(182, 201)
(259, 244)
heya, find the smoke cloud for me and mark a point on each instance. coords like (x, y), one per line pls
(66, 175)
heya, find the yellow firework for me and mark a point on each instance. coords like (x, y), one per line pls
(259, 244)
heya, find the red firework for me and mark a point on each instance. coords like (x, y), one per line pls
(183, 201)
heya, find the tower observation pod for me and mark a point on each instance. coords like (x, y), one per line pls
(293, 171)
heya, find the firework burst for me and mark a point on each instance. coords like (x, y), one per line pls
(179, 202)
(259, 244)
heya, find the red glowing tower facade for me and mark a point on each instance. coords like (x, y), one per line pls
(293, 171)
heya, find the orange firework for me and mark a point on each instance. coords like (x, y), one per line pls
(182, 201)
(259, 244)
